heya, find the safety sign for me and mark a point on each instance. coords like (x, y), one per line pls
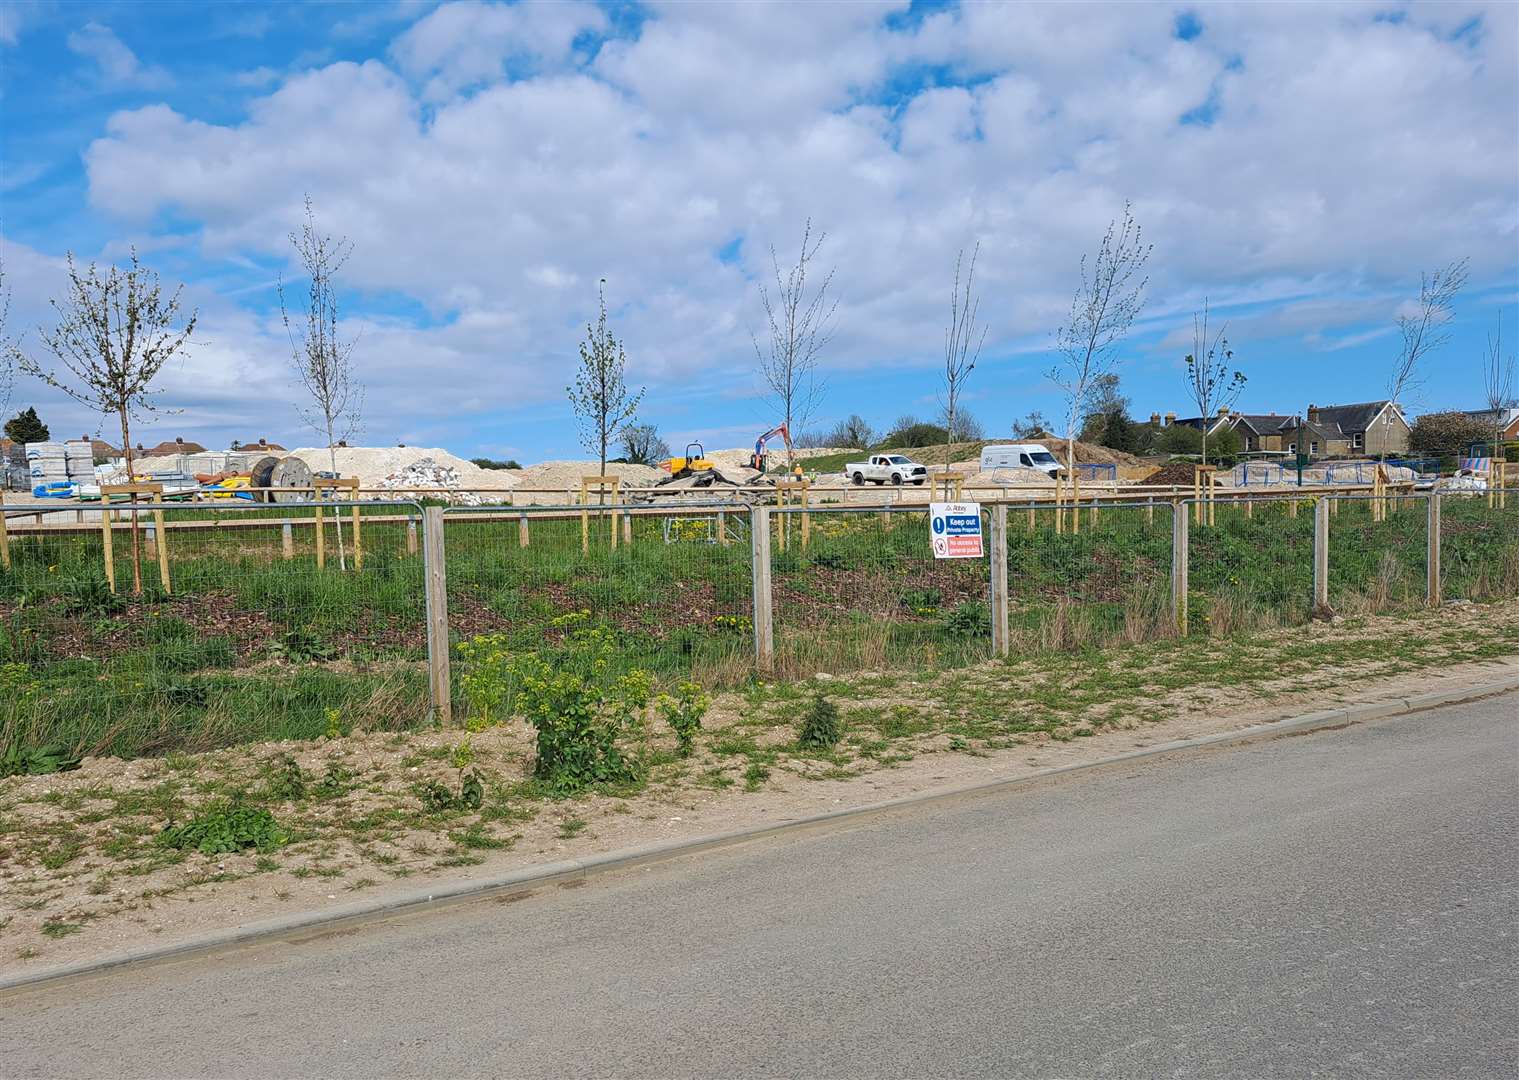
(955, 529)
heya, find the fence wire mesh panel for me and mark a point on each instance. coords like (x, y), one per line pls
(247, 640)
(1479, 545)
(670, 587)
(1378, 553)
(1076, 584)
(1250, 563)
(857, 589)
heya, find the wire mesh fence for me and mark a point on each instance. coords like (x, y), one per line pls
(1378, 553)
(672, 586)
(1479, 545)
(855, 589)
(247, 638)
(1250, 563)
(1078, 584)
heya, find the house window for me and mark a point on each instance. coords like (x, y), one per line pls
(1358, 440)
(1313, 447)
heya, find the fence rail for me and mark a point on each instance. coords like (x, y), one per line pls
(308, 614)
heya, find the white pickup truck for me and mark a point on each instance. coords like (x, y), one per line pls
(883, 467)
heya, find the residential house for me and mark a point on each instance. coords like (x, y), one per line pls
(263, 446)
(1376, 428)
(178, 446)
(1507, 417)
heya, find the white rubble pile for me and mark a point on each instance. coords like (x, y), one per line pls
(428, 473)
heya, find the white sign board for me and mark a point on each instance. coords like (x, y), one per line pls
(955, 529)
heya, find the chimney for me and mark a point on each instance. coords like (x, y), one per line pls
(1155, 419)
(178, 441)
(1223, 410)
(1313, 413)
(1170, 418)
(262, 442)
(342, 442)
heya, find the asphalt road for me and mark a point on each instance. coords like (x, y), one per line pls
(1341, 904)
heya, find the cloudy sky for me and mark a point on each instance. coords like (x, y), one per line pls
(1296, 164)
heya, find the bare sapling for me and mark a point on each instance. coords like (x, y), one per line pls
(963, 339)
(1212, 380)
(600, 395)
(1423, 330)
(799, 325)
(115, 332)
(321, 359)
(1104, 307)
(1497, 383)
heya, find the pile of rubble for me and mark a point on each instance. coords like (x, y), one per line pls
(429, 473)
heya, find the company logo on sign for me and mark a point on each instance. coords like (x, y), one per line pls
(955, 530)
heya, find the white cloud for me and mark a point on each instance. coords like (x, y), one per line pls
(118, 65)
(462, 45)
(493, 175)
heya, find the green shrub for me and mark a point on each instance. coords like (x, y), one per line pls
(969, 620)
(225, 827)
(821, 727)
(580, 710)
(683, 711)
(438, 798)
(36, 761)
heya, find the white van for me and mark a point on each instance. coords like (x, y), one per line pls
(1019, 456)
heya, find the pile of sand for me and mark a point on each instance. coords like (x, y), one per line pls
(374, 465)
(567, 474)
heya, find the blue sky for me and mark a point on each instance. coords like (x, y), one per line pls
(1298, 166)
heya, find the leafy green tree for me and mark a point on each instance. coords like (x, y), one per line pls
(641, 445)
(26, 427)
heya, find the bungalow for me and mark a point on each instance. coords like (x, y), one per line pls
(263, 446)
(178, 446)
(1507, 417)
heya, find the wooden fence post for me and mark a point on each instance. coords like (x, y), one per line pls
(764, 626)
(522, 531)
(358, 545)
(5, 536)
(1433, 583)
(105, 541)
(411, 537)
(287, 540)
(161, 536)
(999, 580)
(1179, 584)
(321, 549)
(1321, 557)
(436, 579)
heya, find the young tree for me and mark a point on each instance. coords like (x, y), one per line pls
(641, 445)
(26, 427)
(8, 349)
(854, 432)
(1105, 305)
(1212, 379)
(799, 322)
(966, 427)
(1032, 426)
(1424, 330)
(1497, 380)
(116, 331)
(963, 339)
(323, 361)
(600, 394)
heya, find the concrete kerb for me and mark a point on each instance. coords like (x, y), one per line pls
(530, 878)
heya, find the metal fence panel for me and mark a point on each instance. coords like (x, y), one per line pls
(250, 640)
(1250, 563)
(1378, 553)
(1479, 545)
(674, 587)
(858, 589)
(1073, 585)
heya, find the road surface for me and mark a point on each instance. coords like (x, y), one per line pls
(1342, 903)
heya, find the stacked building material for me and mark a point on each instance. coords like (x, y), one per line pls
(79, 458)
(47, 464)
